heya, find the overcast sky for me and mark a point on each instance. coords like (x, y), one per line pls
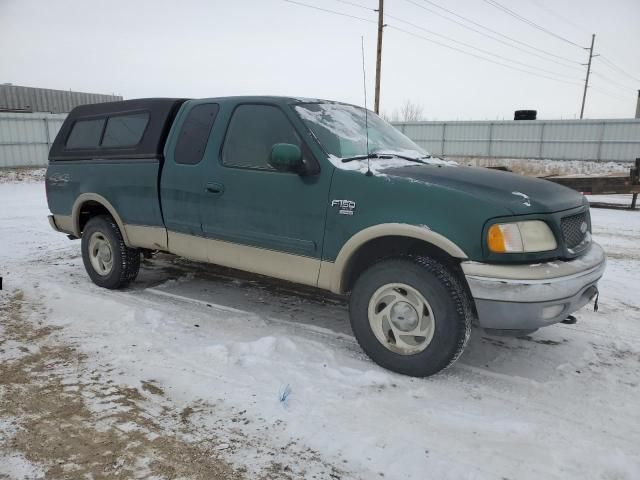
(207, 48)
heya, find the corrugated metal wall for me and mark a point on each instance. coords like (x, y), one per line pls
(599, 140)
(25, 138)
(29, 99)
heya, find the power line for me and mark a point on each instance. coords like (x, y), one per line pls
(479, 56)
(610, 64)
(510, 12)
(539, 3)
(437, 43)
(486, 52)
(625, 87)
(330, 11)
(511, 39)
(618, 70)
(557, 15)
(566, 80)
(612, 95)
(359, 5)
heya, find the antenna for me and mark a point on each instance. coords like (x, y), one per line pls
(366, 113)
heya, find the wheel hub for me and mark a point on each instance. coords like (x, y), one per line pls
(401, 318)
(404, 316)
(100, 254)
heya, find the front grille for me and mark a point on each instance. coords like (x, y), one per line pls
(575, 229)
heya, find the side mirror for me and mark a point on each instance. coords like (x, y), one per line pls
(286, 157)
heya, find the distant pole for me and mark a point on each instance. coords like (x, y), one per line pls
(376, 103)
(586, 80)
(638, 106)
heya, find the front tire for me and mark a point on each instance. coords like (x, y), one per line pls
(108, 261)
(411, 315)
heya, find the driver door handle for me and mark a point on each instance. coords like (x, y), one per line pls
(214, 188)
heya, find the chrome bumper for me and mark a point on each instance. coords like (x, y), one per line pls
(521, 297)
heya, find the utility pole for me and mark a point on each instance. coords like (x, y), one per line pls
(638, 106)
(586, 80)
(376, 104)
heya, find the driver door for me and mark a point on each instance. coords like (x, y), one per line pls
(274, 220)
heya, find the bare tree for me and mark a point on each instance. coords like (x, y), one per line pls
(408, 112)
(411, 112)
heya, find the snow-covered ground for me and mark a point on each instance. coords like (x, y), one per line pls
(195, 372)
(543, 168)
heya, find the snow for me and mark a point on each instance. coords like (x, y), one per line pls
(28, 175)
(561, 403)
(548, 167)
(347, 124)
(377, 165)
(526, 201)
(18, 467)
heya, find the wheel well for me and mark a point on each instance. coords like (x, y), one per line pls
(392, 246)
(89, 210)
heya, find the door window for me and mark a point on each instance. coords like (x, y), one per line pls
(252, 131)
(194, 134)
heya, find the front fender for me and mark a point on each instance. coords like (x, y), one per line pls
(332, 274)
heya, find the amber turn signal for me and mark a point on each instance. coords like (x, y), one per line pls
(495, 239)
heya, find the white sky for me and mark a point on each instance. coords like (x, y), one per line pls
(206, 48)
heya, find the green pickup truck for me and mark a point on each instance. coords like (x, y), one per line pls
(328, 195)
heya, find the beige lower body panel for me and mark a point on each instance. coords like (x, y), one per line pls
(285, 266)
(64, 223)
(327, 277)
(154, 238)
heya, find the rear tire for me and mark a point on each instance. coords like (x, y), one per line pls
(108, 261)
(411, 315)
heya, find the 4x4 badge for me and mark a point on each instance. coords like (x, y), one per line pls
(345, 207)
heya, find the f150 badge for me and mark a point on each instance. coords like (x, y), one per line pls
(345, 207)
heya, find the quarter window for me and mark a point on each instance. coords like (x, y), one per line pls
(253, 130)
(125, 130)
(85, 134)
(194, 134)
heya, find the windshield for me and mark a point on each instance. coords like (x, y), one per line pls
(341, 131)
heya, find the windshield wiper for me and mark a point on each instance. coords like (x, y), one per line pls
(364, 157)
(385, 156)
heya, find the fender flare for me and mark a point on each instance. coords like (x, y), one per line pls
(94, 197)
(333, 277)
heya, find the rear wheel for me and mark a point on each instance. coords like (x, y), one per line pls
(411, 315)
(108, 261)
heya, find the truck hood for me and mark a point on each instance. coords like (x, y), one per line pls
(520, 194)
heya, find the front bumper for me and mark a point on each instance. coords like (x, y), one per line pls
(527, 297)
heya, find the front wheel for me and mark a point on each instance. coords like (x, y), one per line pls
(108, 261)
(411, 315)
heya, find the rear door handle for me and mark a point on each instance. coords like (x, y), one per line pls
(214, 188)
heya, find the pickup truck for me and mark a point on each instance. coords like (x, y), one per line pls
(331, 196)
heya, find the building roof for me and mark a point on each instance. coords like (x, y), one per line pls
(16, 98)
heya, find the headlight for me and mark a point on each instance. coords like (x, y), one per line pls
(520, 237)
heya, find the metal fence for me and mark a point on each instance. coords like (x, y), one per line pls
(25, 138)
(598, 140)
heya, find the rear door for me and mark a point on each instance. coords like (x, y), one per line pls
(182, 182)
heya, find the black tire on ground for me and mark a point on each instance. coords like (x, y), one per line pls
(126, 261)
(448, 299)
